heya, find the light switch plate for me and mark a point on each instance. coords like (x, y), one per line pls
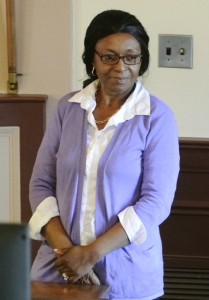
(175, 51)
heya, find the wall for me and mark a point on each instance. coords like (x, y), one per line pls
(44, 48)
(50, 43)
(185, 90)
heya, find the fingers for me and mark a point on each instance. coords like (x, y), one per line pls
(74, 263)
(89, 278)
(93, 278)
(69, 278)
(62, 267)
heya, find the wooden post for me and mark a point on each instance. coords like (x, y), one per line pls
(12, 84)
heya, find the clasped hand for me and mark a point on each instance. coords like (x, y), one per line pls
(76, 262)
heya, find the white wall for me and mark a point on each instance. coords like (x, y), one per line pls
(50, 37)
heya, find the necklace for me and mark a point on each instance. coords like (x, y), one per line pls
(98, 122)
(107, 119)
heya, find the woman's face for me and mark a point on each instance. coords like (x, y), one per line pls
(118, 78)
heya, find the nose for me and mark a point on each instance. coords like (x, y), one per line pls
(121, 66)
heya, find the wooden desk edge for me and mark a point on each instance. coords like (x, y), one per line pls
(55, 291)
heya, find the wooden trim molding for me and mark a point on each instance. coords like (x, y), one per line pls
(10, 174)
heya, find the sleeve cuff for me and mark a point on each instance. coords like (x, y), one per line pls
(46, 210)
(132, 225)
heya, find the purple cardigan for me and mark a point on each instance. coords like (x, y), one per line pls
(139, 167)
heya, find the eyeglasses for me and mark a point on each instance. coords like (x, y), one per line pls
(113, 59)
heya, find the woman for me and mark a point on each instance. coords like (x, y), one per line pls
(106, 171)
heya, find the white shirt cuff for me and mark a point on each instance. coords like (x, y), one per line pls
(132, 225)
(46, 210)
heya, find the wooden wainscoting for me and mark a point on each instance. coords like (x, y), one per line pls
(185, 233)
(28, 113)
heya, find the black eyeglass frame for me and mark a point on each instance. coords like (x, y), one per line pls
(118, 59)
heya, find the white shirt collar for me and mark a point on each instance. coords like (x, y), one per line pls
(138, 103)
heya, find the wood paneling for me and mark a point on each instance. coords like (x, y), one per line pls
(27, 112)
(185, 233)
(185, 284)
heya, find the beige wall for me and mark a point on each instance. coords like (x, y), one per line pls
(185, 90)
(44, 48)
(50, 43)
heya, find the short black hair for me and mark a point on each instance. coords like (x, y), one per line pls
(109, 22)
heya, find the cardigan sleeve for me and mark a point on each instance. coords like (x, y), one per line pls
(160, 168)
(43, 179)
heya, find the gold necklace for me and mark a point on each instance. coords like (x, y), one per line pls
(107, 119)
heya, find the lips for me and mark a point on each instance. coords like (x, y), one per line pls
(119, 79)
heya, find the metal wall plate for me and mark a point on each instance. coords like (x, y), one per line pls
(175, 51)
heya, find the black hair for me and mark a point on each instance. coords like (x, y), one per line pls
(109, 22)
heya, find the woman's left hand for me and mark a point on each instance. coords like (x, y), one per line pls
(75, 261)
